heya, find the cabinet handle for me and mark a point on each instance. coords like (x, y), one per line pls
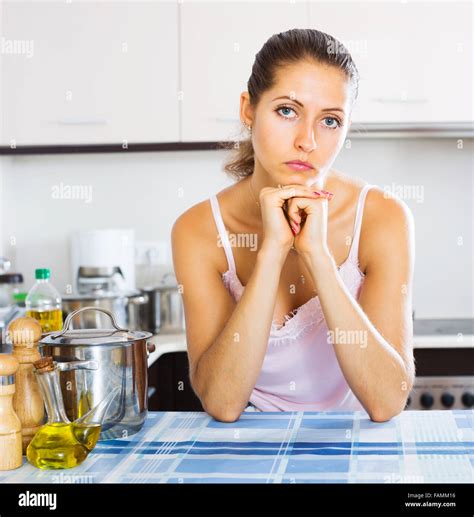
(398, 100)
(81, 122)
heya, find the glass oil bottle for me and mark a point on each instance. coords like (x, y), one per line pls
(60, 443)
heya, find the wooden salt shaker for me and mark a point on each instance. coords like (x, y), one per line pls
(24, 334)
(10, 425)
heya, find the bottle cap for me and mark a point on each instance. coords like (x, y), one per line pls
(43, 365)
(19, 297)
(42, 274)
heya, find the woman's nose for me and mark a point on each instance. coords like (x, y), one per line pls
(307, 148)
(306, 142)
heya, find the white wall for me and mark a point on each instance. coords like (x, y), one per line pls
(143, 191)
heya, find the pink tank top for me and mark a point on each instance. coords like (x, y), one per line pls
(300, 371)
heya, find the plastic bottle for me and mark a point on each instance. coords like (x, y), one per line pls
(44, 302)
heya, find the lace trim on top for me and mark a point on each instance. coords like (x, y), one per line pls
(301, 320)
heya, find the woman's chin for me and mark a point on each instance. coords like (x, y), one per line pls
(307, 177)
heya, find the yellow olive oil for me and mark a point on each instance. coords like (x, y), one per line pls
(62, 445)
(87, 434)
(85, 404)
(49, 320)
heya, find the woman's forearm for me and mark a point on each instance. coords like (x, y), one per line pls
(228, 370)
(374, 370)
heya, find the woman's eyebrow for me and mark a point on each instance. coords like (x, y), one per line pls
(300, 104)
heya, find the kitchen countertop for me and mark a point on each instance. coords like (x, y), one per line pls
(279, 447)
(443, 327)
(429, 336)
(427, 333)
(166, 343)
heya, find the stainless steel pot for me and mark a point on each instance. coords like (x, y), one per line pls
(95, 361)
(166, 311)
(131, 310)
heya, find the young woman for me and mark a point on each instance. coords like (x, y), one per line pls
(297, 279)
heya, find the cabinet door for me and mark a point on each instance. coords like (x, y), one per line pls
(169, 385)
(219, 41)
(415, 59)
(89, 72)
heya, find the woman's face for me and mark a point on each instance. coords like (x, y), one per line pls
(310, 124)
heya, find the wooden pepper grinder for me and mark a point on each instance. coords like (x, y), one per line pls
(10, 425)
(24, 334)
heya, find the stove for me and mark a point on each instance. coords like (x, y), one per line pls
(444, 360)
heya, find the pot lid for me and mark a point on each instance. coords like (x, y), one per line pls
(86, 337)
(101, 296)
(94, 337)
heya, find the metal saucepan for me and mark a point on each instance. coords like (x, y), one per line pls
(131, 310)
(166, 311)
(93, 362)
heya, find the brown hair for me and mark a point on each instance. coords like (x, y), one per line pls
(283, 49)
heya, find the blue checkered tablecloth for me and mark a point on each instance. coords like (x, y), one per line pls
(279, 447)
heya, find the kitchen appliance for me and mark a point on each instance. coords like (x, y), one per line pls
(444, 361)
(10, 287)
(100, 280)
(104, 248)
(95, 361)
(8, 314)
(104, 287)
(10, 283)
(166, 311)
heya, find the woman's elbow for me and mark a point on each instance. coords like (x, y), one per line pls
(380, 417)
(223, 415)
(384, 414)
(219, 409)
(227, 417)
(222, 412)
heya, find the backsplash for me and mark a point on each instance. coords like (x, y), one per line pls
(44, 198)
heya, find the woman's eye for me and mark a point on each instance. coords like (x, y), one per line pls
(286, 109)
(333, 122)
(284, 112)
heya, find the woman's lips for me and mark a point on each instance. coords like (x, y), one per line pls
(299, 166)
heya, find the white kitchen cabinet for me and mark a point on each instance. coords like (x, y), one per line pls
(414, 58)
(219, 41)
(98, 73)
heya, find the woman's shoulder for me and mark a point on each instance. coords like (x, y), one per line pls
(193, 223)
(196, 228)
(199, 217)
(387, 219)
(378, 201)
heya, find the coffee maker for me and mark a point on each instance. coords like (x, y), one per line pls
(107, 254)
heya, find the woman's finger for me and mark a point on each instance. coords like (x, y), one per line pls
(280, 195)
(324, 193)
(297, 208)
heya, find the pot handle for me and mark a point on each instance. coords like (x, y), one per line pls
(77, 365)
(68, 320)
